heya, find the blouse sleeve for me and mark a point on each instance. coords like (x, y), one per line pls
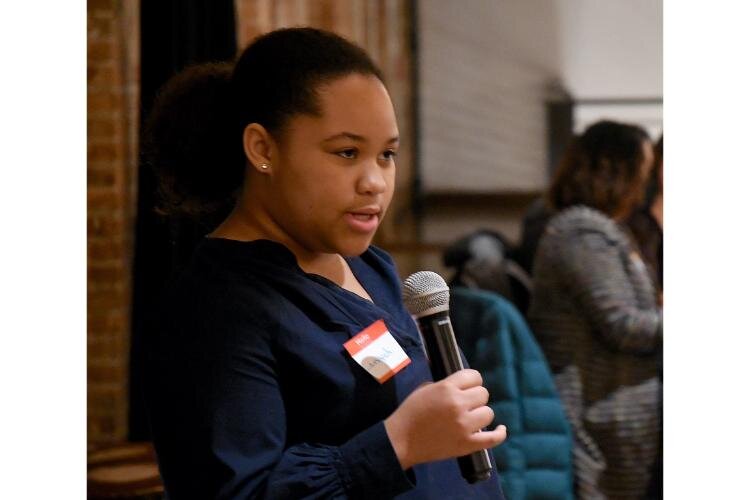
(220, 428)
(594, 272)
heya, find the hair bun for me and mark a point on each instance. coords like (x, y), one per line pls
(190, 143)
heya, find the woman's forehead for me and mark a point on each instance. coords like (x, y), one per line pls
(355, 105)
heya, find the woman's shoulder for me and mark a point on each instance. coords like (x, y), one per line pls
(225, 264)
(198, 301)
(576, 220)
(222, 281)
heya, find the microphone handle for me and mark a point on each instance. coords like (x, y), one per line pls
(445, 359)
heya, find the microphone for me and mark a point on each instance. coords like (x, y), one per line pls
(426, 296)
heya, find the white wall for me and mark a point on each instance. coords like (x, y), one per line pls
(483, 75)
(487, 67)
(611, 48)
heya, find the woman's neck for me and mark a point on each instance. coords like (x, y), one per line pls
(250, 224)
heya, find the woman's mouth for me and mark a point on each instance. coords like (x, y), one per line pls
(363, 222)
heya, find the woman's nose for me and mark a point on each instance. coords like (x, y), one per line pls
(373, 179)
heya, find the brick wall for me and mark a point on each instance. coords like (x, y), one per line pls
(113, 47)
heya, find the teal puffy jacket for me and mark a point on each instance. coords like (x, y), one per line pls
(535, 462)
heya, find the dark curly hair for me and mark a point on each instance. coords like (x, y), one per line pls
(193, 136)
(655, 182)
(602, 169)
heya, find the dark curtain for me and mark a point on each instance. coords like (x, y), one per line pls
(174, 34)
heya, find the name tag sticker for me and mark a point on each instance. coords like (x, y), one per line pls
(375, 349)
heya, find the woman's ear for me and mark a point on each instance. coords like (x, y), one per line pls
(258, 146)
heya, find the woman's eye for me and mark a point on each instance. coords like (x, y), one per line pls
(349, 154)
(390, 154)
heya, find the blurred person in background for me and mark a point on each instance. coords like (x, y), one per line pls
(646, 223)
(595, 311)
(482, 259)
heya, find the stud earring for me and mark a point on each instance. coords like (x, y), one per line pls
(264, 166)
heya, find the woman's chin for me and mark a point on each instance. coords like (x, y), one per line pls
(353, 247)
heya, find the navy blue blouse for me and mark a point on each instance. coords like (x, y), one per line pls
(252, 394)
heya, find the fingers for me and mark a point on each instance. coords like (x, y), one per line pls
(474, 397)
(464, 379)
(479, 418)
(489, 439)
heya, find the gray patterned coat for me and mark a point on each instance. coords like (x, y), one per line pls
(595, 314)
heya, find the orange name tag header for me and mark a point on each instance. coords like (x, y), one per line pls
(375, 350)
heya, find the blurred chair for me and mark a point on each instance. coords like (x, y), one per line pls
(535, 462)
(534, 221)
(126, 471)
(482, 259)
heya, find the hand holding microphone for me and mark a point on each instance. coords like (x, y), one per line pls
(443, 419)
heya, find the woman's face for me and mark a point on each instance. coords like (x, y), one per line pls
(631, 202)
(334, 174)
(648, 160)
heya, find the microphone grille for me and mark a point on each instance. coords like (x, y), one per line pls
(424, 293)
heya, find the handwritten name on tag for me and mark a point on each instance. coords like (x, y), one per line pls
(375, 350)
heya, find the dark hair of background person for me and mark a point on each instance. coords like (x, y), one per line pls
(193, 137)
(655, 187)
(643, 225)
(602, 169)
